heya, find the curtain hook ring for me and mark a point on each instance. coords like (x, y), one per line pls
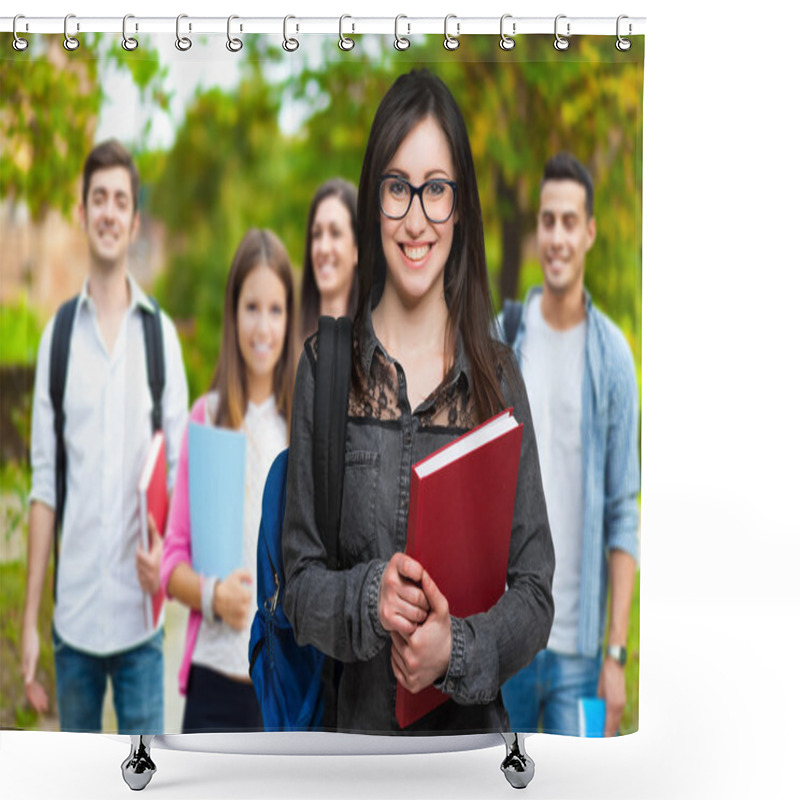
(623, 44)
(506, 42)
(560, 42)
(70, 42)
(289, 44)
(128, 42)
(451, 42)
(19, 44)
(233, 44)
(345, 42)
(183, 43)
(400, 42)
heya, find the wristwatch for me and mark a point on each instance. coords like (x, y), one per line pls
(618, 653)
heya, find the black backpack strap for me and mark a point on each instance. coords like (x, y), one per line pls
(154, 352)
(512, 316)
(331, 397)
(59, 361)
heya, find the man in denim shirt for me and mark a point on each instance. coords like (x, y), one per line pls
(581, 382)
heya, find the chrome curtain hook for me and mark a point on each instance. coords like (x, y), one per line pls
(70, 42)
(289, 44)
(19, 44)
(183, 43)
(623, 44)
(450, 42)
(560, 42)
(506, 42)
(233, 44)
(400, 42)
(128, 42)
(345, 42)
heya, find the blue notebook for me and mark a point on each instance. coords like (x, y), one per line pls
(216, 498)
(592, 716)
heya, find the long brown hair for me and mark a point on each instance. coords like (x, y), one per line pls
(412, 98)
(258, 247)
(345, 192)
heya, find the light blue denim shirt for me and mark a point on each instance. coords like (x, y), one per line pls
(609, 439)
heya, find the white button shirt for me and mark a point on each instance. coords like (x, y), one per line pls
(107, 433)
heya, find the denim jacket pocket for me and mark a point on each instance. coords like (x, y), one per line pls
(357, 534)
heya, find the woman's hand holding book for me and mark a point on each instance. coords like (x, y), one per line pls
(421, 658)
(402, 604)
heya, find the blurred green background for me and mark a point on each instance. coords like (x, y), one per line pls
(228, 141)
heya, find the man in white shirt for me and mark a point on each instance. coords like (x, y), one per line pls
(99, 626)
(581, 381)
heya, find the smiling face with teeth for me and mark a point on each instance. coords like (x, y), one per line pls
(416, 250)
(564, 235)
(261, 320)
(109, 217)
(333, 250)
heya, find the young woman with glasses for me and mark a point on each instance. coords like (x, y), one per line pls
(425, 370)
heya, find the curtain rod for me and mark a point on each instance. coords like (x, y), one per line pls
(453, 25)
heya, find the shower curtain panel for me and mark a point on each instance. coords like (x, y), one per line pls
(230, 138)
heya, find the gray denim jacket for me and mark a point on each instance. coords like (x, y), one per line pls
(337, 611)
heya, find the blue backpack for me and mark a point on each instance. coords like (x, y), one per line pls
(512, 317)
(296, 686)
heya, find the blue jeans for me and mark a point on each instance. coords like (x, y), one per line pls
(548, 691)
(137, 681)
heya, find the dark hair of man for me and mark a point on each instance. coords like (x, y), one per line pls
(565, 167)
(309, 291)
(104, 156)
(257, 248)
(412, 98)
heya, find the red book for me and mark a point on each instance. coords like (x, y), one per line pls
(153, 500)
(459, 527)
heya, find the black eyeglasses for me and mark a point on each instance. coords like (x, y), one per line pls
(436, 196)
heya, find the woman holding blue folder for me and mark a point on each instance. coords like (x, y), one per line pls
(251, 392)
(425, 370)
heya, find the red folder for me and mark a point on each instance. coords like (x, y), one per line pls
(153, 500)
(459, 527)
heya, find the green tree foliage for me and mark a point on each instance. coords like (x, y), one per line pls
(19, 333)
(50, 103)
(227, 171)
(234, 166)
(524, 105)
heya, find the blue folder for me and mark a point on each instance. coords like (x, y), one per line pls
(592, 716)
(216, 498)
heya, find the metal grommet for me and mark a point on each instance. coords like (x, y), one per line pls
(183, 43)
(623, 45)
(400, 42)
(506, 42)
(70, 42)
(19, 44)
(289, 44)
(560, 42)
(128, 42)
(345, 42)
(233, 44)
(450, 42)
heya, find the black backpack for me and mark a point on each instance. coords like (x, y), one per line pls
(59, 362)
